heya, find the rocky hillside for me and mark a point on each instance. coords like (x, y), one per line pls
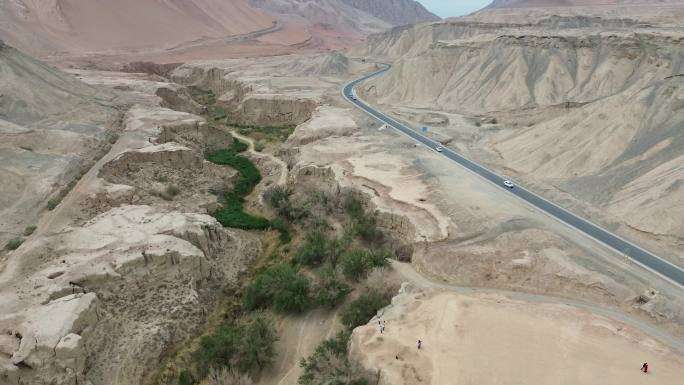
(51, 126)
(395, 12)
(590, 106)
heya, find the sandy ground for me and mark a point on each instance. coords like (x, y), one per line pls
(466, 342)
(298, 337)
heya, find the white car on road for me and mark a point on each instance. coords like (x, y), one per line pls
(508, 183)
(439, 149)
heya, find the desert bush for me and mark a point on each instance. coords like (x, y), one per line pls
(362, 223)
(280, 225)
(168, 193)
(314, 249)
(380, 257)
(385, 282)
(225, 376)
(29, 230)
(280, 199)
(329, 364)
(14, 243)
(329, 291)
(279, 286)
(278, 196)
(53, 203)
(255, 350)
(361, 310)
(246, 346)
(172, 190)
(357, 262)
(185, 378)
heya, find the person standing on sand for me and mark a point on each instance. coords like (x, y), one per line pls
(644, 367)
(420, 343)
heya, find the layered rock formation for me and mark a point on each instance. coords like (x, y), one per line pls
(590, 106)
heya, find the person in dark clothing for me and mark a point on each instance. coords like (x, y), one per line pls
(420, 343)
(644, 367)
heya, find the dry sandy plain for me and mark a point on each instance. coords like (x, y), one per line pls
(491, 339)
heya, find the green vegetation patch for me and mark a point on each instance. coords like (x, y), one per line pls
(246, 345)
(329, 364)
(329, 291)
(232, 213)
(360, 310)
(279, 286)
(29, 230)
(356, 263)
(14, 243)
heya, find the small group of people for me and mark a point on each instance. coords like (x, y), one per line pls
(381, 326)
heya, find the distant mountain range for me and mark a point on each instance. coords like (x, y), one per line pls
(82, 26)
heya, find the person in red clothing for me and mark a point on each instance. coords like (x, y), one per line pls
(644, 367)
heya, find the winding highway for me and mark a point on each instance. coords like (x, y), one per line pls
(638, 255)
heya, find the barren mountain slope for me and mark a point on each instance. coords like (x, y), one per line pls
(395, 12)
(46, 27)
(51, 125)
(661, 11)
(357, 15)
(591, 108)
(568, 3)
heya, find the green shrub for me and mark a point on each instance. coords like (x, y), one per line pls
(380, 257)
(361, 310)
(329, 291)
(172, 190)
(185, 378)
(14, 244)
(53, 203)
(329, 364)
(312, 251)
(217, 349)
(279, 225)
(279, 286)
(246, 346)
(255, 350)
(356, 263)
(363, 224)
(293, 296)
(280, 198)
(29, 230)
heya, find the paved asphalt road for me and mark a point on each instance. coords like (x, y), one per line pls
(637, 254)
